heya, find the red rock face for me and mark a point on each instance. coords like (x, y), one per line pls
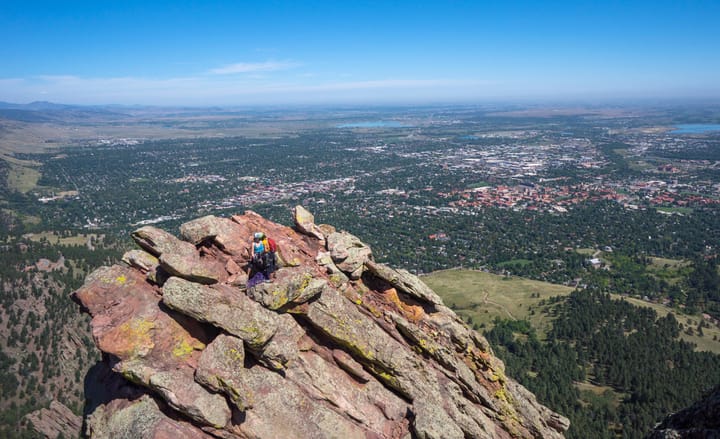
(129, 322)
(336, 346)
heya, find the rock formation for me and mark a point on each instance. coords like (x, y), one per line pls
(701, 420)
(336, 346)
(54, 421)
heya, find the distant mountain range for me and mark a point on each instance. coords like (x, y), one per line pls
(41, 111)
(36, 106)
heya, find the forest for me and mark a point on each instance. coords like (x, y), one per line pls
(631, 367)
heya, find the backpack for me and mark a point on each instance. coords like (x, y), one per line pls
(271, 245)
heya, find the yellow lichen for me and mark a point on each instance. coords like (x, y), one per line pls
(336, 279)
(135, 335)
(427, 346)
(183, 348)
(236, 355)
(305, 282)
(498, 375)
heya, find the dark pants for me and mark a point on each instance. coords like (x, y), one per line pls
(270, 263)
(265, 264)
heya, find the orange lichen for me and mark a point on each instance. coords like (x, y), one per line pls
(414, 313)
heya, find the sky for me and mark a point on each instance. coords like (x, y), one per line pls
(270, 52)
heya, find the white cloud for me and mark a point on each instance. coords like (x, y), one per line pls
(229, 90)
(250, 67)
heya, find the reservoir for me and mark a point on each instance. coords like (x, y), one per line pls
(374, 124)
(695, 128)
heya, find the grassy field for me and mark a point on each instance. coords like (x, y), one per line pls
(484, 296)
(57, 240)
(664, 263)
(22, 176)
(670, 270)
(585, 251)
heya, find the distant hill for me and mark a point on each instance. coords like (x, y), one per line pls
(41, 111)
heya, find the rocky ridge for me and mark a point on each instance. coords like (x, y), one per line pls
(336, 346)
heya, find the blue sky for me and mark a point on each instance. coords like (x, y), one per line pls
(315, 52)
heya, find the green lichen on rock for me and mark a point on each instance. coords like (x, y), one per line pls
(183, 348)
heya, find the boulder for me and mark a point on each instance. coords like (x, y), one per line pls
(292, 286)
(348, 253)
(182, 393)
(220, 368)
(305, 223)
(226, 234)
(179, 258)
(141, 260)
(405, 282)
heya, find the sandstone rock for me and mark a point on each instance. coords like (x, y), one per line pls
(226, 308)
(179, 258)
(336, 276)
(326, 229)
(54, 421)
(220, 368)
(388, 360)
(405, 282)
(233, 311)
(291, 286)
(348, 253)
(157, 241)
(286, 411)
(305, 223)
(337, 346)
(139, 419)
(349, 365)
(370, 404)
(178, 388)
(141, 260)
(129, 323)
(226, 234)
(189, 266)
(430, 423)
(294, 249)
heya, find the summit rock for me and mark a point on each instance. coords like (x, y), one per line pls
(336, 346)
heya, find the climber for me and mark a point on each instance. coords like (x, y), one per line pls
(270, 249)
(263, 258)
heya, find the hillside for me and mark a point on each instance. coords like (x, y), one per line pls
(45, 347)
